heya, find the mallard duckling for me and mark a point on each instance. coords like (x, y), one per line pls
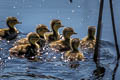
(90, 40)
(40, 30)
(11, 32)
(54, 35)
(27, 50)
(63, 44)
(74, 54)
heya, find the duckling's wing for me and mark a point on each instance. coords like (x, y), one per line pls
(48, 35)
(87, 44)
(55, 43)
(18, 50)
(80, 56)
(83, 43)
(70, 56)
(2, 31)
(41, 42)
(21, 41)
(67, 54)
(59, 45)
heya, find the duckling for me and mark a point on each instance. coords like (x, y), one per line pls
(11, 32)
(40, 30)
(74, 54)
(27, 50)
(90, 40)
(54, 35)
(63, 44)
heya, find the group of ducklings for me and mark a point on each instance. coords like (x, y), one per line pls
(29, 47)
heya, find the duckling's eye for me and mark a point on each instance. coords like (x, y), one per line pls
(44, 28)
(39, 30)
(58, 23)
(70, 31)
(35, 37)
(13, 21)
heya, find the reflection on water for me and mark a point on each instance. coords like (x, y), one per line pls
(115, 70)
(99, 72)
(78, 15)
(54, 68)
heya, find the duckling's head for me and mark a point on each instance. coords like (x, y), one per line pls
(91, 31)
(33, 37)
(56, 24)
(41, 29)
(11, 21)
(74, 43)
(67, 32)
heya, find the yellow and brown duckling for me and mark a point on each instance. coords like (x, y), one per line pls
(89, 41)
(54, 35)
(40, 30)
(63, 44)
(11, 32)
(74, 54)
(27, 50)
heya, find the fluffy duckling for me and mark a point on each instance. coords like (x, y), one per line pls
(11, 32)
(63, 44)
(40, 30)
(74, 54)
(90, 40)
(54, 35)
(27, 50)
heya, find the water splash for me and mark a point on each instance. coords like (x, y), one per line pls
(14, 7)
(73, 11)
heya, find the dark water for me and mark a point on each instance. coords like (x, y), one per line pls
(79, 15)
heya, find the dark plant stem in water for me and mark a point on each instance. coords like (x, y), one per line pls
(99, 72)
(115, 39)
(115, 70)
(70, 1)
(99, 28)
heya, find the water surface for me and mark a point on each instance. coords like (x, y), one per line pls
(79, 15)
